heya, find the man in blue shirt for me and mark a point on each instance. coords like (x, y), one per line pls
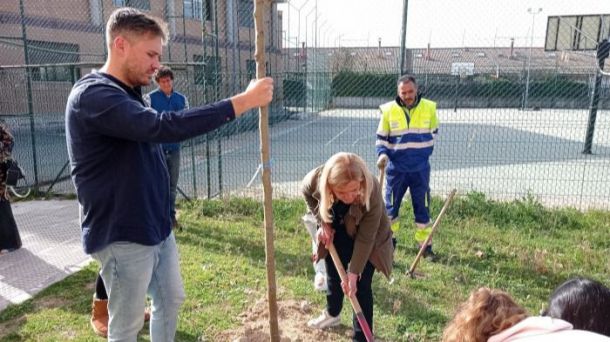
(164, 99)
(121, 179)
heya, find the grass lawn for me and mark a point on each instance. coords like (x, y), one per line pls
(520, 247)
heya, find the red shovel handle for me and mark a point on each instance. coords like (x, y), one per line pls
(357, 309)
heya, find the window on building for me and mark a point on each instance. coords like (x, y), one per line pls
(139, 4)
(244, 13)
(209, 72)
(193, 9)
(41, 52)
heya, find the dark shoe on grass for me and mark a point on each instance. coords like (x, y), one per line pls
(429, 254)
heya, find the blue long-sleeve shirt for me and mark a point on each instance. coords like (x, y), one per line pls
(160, 102)
(117, 165)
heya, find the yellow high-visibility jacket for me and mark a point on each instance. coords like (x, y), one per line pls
(407, 136)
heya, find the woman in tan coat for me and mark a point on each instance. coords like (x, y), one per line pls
(347, 202)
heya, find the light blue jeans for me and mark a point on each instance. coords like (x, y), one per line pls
(130, 271)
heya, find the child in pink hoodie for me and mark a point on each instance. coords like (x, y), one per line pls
(493, 316)
(542, 329)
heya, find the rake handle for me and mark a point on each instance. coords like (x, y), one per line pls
(381, 176)
(434, 226)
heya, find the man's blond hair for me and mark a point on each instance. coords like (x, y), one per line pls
(129, 21)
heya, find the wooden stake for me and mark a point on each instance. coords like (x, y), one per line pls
(261, 7)
(381, 179)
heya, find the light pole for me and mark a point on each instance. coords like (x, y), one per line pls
(315, 32)
(308, 56)
(338, 40)
(326, 39)
(403, 37)
(533, 12)
(306, 21)
(298, 9)
(316, 60)
(319, 31)
(325, 36)
(299, 22)
(288, 41)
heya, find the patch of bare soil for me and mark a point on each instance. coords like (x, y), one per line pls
(292, 321)
(10, 326)
(50, 302)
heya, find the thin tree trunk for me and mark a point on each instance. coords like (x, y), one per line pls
(260, 7)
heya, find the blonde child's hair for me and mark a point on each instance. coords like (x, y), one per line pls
(339, 170)
(486, 313)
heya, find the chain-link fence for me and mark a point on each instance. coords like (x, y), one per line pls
(514, 119)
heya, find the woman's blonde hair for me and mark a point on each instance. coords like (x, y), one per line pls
(339, 170)
(486, 313)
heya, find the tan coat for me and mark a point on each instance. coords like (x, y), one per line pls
(369, 229)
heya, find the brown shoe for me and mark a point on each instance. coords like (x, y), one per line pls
(99, 317)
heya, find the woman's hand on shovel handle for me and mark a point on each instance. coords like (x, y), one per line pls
(326, 234)
(351, 287)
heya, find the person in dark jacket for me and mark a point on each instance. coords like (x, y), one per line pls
(121, 178)
(9, 234)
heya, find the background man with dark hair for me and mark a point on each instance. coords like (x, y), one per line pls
(165, 98)
(121, 179)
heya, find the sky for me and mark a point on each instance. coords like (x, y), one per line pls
(442, 23)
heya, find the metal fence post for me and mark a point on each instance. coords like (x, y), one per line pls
(207, 158)
(403, 36)
(217, 91)
(602, 53)
(29, 95)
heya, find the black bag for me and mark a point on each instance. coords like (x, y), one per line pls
(13, 173)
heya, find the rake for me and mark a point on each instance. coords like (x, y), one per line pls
(411, 270)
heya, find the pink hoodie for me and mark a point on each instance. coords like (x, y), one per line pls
(546, 329)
